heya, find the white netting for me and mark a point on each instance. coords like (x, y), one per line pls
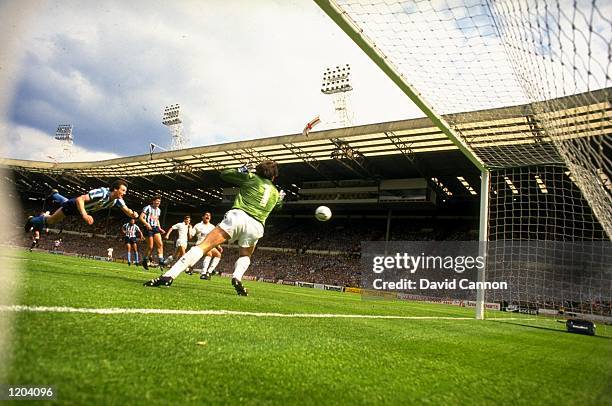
(531, 79)
(551, 59)
(546, 243)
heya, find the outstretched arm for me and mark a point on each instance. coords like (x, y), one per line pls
(80, 203)
(236, 176)
(129, 212)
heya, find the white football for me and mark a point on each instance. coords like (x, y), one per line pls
(323, 213)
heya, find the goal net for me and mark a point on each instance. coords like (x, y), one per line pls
(531, 79)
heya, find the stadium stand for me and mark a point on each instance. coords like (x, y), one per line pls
(391, 181)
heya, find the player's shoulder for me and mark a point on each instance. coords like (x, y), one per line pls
(99, 192)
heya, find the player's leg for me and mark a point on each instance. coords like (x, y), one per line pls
(35, 239)
(135, 249)
(180, 251)
(216, 255)
(56, 217)
(214, 238)
(148, 250)
(128, 247)
(159, 247)
(41, 221)
(210, 263)
(247, 240)
(240, 267)
(53, 201)
(205, 266)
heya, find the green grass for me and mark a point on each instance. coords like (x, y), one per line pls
(152, 358)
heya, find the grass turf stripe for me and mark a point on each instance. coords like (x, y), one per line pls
(58, 309)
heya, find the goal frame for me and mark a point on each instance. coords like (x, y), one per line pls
(343, 20)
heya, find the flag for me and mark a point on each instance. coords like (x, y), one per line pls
(152, 148)
(310, 124)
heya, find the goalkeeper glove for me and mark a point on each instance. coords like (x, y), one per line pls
(281, 195)
(246, 168)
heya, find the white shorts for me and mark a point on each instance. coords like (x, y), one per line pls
(181, 243)
(242, 228)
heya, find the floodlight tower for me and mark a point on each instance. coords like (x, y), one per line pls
(172, 118)
(337, 83)
(64, 135)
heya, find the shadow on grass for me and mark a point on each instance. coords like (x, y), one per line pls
(556, 330)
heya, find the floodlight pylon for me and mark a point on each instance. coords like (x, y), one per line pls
(63, 134)
(172, 118)
(337, 83)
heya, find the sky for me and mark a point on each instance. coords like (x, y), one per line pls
(246, 69)
(239, 69)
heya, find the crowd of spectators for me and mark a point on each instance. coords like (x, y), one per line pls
(339, 270)
(345, 235)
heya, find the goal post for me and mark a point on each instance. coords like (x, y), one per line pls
(483, 238)
(343, 20)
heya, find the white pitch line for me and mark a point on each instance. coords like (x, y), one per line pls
(54, 309)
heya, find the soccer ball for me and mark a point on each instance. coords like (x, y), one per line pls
(323, 213)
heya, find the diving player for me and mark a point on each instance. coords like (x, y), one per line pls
(95, 200)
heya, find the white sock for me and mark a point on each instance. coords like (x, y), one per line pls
(240, 267)
(214, 264)
(205, 264)
(191, 257)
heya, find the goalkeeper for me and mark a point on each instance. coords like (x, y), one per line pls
(243, 223)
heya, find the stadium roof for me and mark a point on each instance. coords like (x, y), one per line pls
(391, 150)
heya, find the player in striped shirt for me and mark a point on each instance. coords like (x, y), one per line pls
(129, 231)
(95, 200)
(244, 223)
(150, 218)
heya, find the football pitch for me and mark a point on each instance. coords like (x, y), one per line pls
(91, 330)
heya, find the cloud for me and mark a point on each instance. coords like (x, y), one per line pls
(240, 70)
(32, 144)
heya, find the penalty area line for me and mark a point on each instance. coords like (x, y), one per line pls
(111, 311)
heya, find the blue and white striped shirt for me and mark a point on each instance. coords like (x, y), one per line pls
(152, 215)
(100, 199)
(130, 230)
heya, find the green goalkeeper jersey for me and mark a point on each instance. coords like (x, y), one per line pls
(257, 197)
